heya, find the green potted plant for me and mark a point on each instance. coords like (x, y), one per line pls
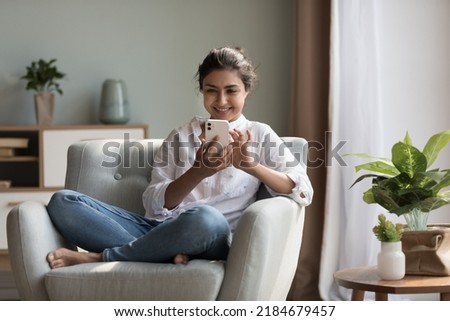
(390, 260)
(406, 184)
(43, 78)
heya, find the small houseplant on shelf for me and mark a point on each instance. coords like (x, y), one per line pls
(407, 186)
(390, 259)
(43, 78)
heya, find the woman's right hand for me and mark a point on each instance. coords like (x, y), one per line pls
(212, 157)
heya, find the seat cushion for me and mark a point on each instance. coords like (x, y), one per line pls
(197, 280)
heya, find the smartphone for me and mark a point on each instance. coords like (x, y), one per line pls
(220, 128)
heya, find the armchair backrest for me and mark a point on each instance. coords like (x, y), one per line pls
(114, 171)
(118, 171)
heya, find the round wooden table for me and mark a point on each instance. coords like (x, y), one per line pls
(361, 279)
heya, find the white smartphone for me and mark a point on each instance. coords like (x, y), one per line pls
(220, 128)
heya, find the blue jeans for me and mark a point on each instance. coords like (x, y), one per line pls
(201, 232)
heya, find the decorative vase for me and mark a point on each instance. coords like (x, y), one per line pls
(44, 104)
(114, 107)
(416, 220)
(391, 261)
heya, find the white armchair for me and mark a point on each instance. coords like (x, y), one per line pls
(260, 266)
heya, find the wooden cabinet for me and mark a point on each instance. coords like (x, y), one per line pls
(36, 171)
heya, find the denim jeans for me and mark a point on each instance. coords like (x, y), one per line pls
(120, 235)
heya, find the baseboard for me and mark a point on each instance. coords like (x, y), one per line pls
(8, 289)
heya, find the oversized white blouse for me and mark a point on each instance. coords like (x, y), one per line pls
(230, 190)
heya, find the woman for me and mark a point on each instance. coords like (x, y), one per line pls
(194, 201)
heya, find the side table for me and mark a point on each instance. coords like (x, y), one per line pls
(361, 279)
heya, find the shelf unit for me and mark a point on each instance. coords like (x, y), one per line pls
(22, 169)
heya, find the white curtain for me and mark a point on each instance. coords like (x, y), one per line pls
(356, 122)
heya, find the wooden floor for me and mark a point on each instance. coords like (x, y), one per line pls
(7, 285)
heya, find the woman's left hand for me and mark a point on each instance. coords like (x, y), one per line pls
(242, 157)
(248, 161)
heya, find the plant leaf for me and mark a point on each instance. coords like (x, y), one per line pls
(365, 155)
(408, 159)
(427, 179)
(383, 198)
(407, 140)
(426, 205)
(434, 146)
(359, 179)
(368, 197)
(381, 167)
(413, 195)
(443, 182)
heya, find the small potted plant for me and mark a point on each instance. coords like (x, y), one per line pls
(390, 259)
(42, 77)
(386, 231)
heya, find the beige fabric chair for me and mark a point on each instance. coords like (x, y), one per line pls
(260, 266)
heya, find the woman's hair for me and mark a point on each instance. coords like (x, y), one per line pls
(228, 58)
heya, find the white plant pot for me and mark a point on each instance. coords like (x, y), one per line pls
(391, 261)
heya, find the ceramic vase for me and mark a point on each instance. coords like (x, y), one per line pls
(44, 104)
(114, 107)
(391, 261)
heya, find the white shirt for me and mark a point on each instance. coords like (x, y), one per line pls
(230, 190)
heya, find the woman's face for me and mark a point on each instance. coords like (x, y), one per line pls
(224, 94)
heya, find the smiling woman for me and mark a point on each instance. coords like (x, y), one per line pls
(226, 77)
(200, 194)
(224, 94)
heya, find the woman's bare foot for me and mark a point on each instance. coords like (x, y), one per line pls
(181, 259)
(65, 257)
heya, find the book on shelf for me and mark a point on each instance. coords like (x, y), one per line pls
(13, 142)
(5, 184)
(7, 152)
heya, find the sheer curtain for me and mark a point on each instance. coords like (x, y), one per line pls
(356, 124)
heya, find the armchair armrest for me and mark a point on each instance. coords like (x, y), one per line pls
(264, 251)
(31, 236)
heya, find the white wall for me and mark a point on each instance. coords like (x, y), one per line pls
(415, 70)
(154, 45)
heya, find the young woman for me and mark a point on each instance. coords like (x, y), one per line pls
(195, 201)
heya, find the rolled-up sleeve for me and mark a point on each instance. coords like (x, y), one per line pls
(277, 155)
(302, 192)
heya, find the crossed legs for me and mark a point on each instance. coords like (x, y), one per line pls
(108, 233)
